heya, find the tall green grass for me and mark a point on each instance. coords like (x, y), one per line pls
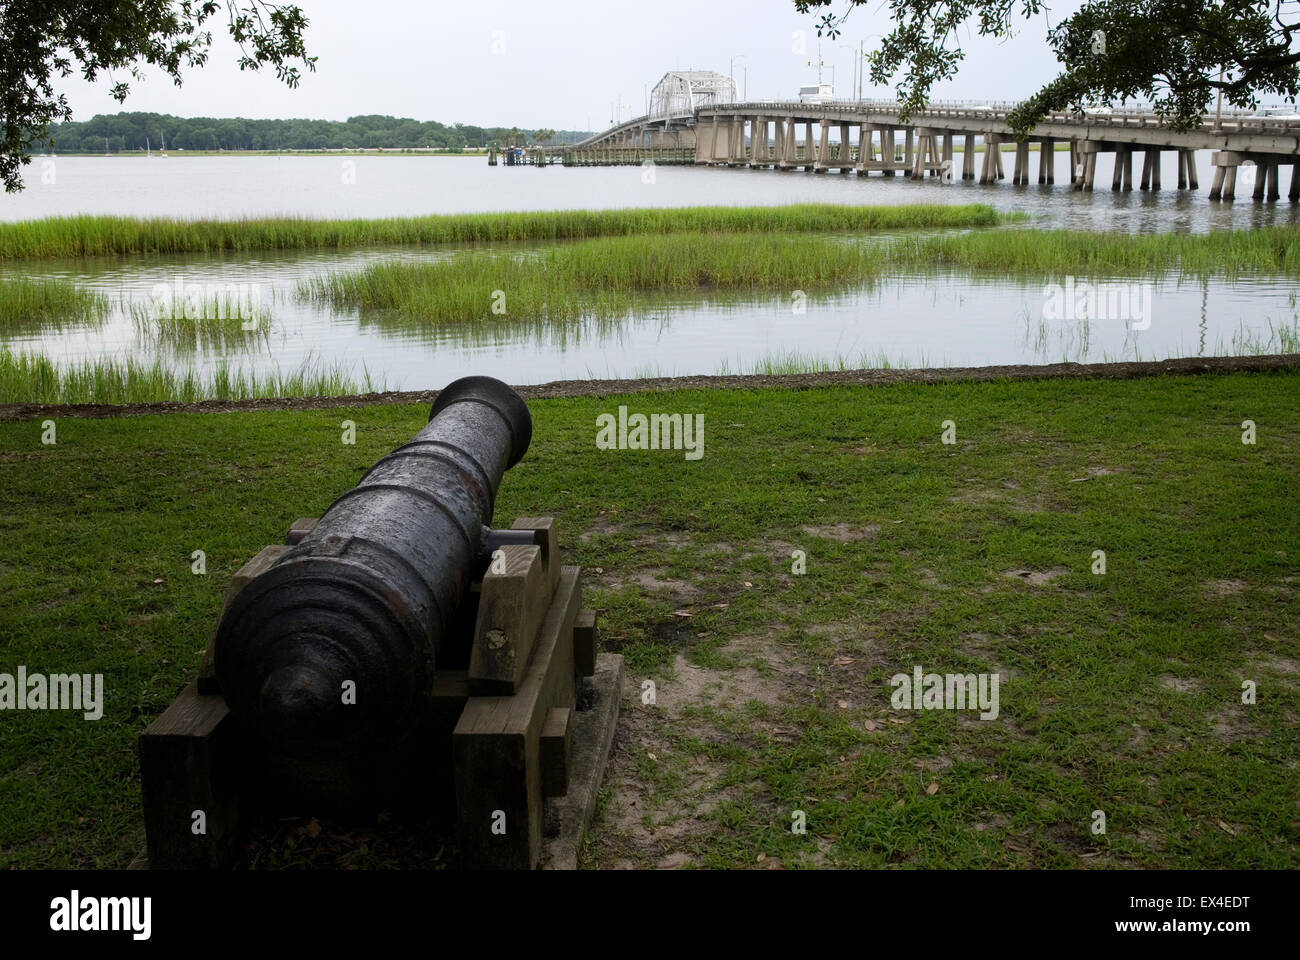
(594, 278)
(610, 276)
(33, 378)
(29, 306)
(1270, 251)
(104, 235)
(215, 324)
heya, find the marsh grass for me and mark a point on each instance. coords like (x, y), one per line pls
(86, 236)
(33, 378)
(1282, 337)
(29, 306)
(595, 278)
(611, 276)
(215, 324)
(1267, 251)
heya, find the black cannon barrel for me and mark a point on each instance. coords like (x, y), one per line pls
(337, 641)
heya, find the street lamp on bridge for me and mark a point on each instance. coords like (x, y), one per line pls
(731, 70)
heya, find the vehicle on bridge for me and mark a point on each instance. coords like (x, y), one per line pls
(816, 93)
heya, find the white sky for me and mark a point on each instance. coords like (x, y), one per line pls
(566, 63)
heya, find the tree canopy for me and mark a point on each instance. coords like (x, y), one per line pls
(42, 41)
(136, 131)
(1176, 54)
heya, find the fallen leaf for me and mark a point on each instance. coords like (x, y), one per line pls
(1227, 828)
(896, 720)
(1080, 479)
(844, 661)
(160, 580)
(721, 606)
(653, 757)
(313, 828)
(748, 584)
(682, 613)
(870, 724)
(760, 858)
(932, 789)
(843, 704)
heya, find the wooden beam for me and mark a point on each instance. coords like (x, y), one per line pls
(191, 809)
(511, 605)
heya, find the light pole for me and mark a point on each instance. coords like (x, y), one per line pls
(862, 74)
(731, 70)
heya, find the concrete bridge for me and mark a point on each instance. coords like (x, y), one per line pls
(871, 138)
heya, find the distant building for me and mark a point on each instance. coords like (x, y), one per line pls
(681, 92)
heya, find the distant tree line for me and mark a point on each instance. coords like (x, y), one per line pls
(135, 131)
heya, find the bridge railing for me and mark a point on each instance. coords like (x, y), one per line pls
(1138, 117)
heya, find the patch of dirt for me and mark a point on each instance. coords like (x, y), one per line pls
(844, 532)
(600, 527)
(931, 579)
(691, 684)
(1181, 684)
(1037, 578)
(653, 581)
(1223, 588)
(1103, 471)
(1184, 366)
(651, 821)
(1283, 670)
(1231, 725)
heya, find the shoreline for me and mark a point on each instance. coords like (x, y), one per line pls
(1123, 370)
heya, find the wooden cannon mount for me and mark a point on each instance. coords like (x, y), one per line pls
(521, 718)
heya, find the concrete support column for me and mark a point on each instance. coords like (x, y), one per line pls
(864, 147)
(1047, 161)
(1021, 174)
(968, 157)
(1087, 154)
(758, 149)
(907, 150)
(1294, 192)
(989, 170)
(823, 146)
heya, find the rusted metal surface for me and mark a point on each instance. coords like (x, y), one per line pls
(333, 648)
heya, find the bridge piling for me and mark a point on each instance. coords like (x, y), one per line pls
(759, 135)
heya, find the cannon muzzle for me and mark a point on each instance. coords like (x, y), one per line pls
(336, 643)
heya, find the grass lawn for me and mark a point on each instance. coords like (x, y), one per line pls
(1119, 692)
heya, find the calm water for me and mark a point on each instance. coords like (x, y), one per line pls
(918, 320)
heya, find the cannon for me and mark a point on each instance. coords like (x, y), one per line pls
(365, 598)
(397, 652)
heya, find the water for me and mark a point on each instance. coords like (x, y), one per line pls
(908, 319)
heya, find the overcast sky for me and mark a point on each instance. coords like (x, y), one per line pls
(562, 64)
